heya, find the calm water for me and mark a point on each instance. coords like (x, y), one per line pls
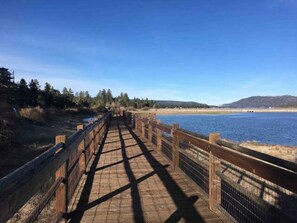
(271, 128)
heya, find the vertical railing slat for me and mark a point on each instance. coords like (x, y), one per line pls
(61, 192)
(214, 180)
(175, 146)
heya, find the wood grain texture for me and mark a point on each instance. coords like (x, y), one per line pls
(129, 182)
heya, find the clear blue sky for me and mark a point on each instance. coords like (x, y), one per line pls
(201, 50)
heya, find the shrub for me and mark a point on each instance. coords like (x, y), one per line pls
(34, 114)
(8, 126)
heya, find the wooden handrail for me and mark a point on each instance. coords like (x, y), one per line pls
(235, 146)
(9, 180)
(19, 186)
(276, 170)
(224, 192)
(162, 126)
(265, 157)
(276, 174)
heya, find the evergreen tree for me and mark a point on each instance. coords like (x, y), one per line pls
(104, 97)
(22, 93)
(65, 91)
(48, 95)
(33, 92)
(109, 97)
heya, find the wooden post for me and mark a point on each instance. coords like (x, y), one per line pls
(154, 115)
(82, 158)
(175, 146)
(214, 180)
(159, 138)
(92, 145)
(136, 124)
(97, 137)
(61, 192)
(132, 121)
(150, 132)
(100, 135)
(142, 129)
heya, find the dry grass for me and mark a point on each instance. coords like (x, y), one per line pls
(48, 214)
(34, 114)
(288, 153)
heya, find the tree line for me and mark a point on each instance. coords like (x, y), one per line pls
(23, 94)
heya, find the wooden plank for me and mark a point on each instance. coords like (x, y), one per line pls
(167, 141)
(202, 144)
(163, 127)
(265, 157)
(158, 193)
(280, 176)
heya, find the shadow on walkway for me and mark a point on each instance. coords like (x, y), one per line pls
(185, 208)
(136, 202)
(84, 199)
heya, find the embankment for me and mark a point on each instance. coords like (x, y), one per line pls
(35, 133)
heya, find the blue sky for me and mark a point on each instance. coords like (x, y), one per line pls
(204, 50)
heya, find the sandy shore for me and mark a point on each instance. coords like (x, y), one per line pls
(211, 110)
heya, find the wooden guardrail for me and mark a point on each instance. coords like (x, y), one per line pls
(245, 185)
(62, 166)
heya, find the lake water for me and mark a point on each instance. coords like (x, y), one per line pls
(270, 128)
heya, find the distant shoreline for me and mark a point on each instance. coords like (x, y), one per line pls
(181, 111)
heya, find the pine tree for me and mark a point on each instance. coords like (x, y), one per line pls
(109, 97)
(22, 93)
(33, 92)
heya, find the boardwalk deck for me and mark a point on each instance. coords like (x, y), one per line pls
(128, 182)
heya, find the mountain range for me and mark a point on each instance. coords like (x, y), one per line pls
(264, 102)
(250, 102)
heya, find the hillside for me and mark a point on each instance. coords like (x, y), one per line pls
(264, 102)
(176, 104)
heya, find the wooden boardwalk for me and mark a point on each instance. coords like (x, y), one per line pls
(128, 182)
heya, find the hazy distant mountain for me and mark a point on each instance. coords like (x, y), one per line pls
(176, 104)
(264, 102)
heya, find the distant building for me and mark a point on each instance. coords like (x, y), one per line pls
(6, 78)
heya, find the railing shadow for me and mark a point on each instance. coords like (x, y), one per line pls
(185, 208)
(83, 204)
(136, 202)
(84, 199)
(119, 162)
(184, 204)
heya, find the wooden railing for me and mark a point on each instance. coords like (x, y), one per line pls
(243, 184)
(61, 167)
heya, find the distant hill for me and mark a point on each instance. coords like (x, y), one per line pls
(264, 102)
(176, 104)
